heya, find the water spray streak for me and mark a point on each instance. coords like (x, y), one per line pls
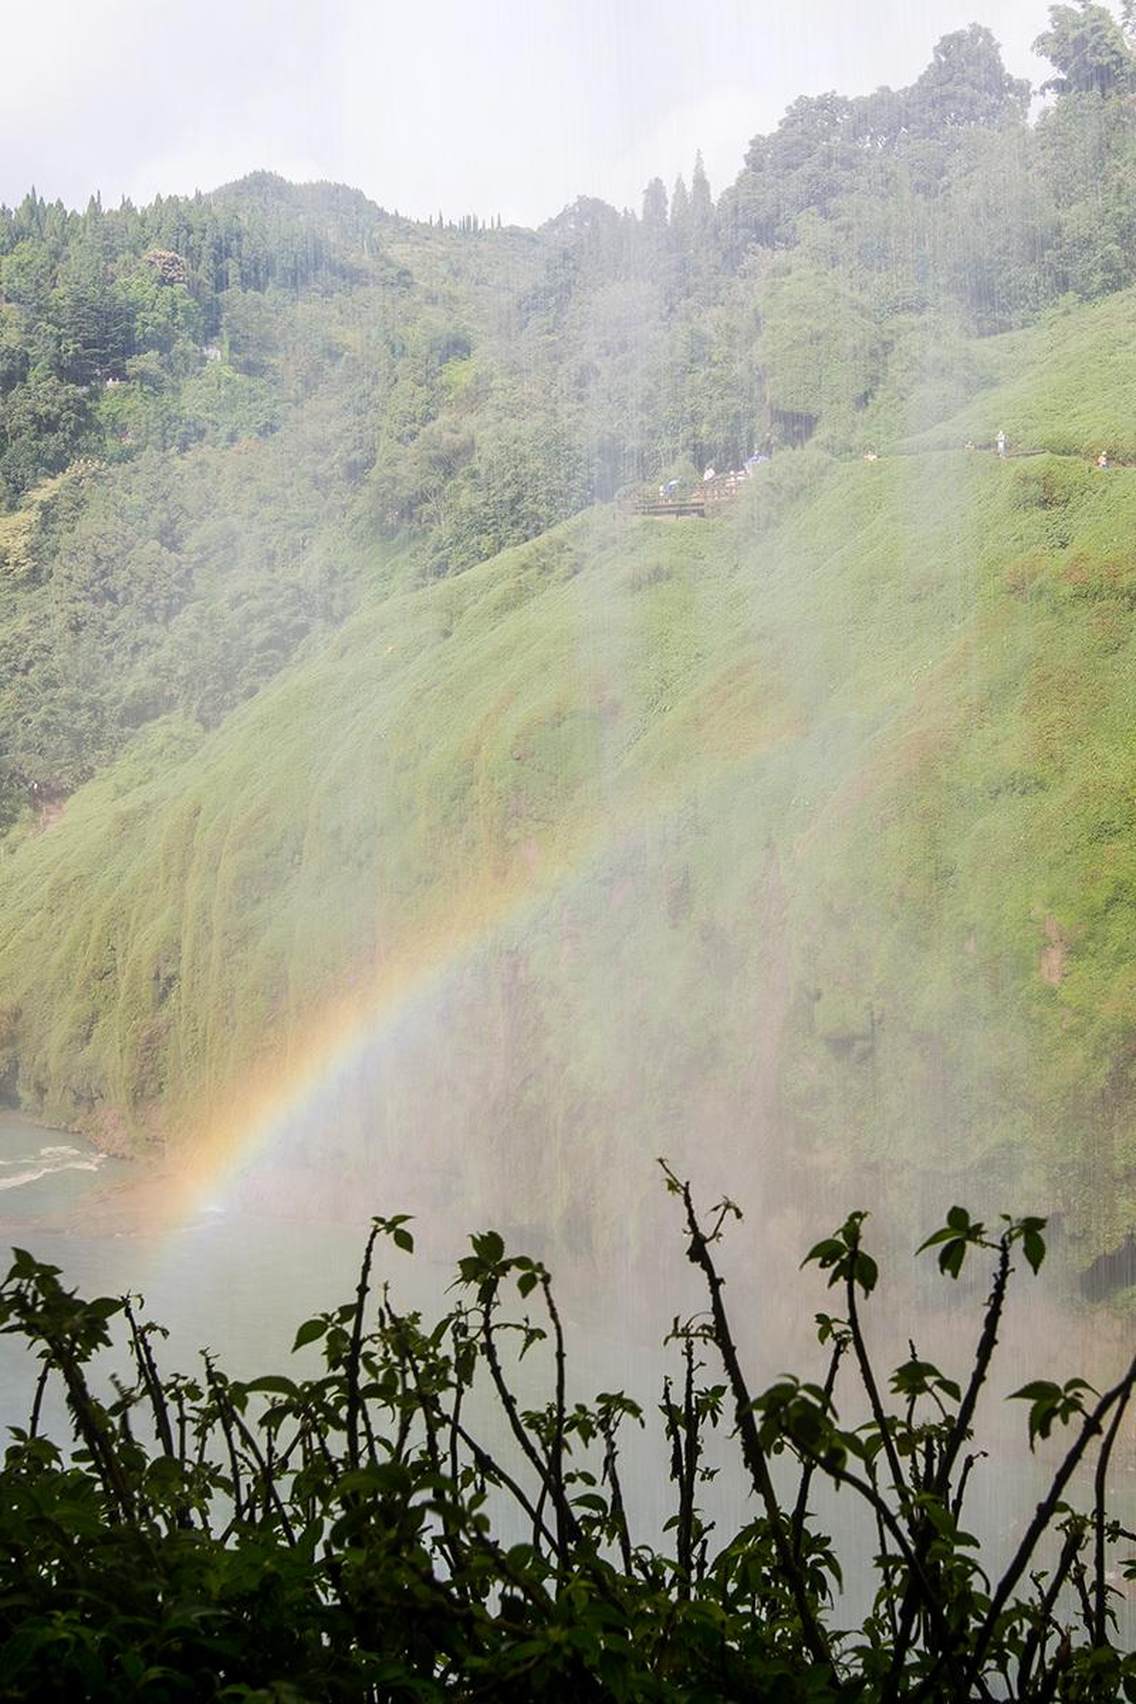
(282, 1093)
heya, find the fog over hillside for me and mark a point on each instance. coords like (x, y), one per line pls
(567, 807)
(377, 782)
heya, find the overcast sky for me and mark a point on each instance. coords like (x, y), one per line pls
(510, 106)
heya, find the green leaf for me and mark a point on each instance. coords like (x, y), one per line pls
(867, 1272)
(1033, 1247)
(309, 1332)
(590, 1500)
(952, 1257)
(274, 1385)
(1038, 1390)
(825, 1252)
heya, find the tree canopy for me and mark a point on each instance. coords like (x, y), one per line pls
(1088, 48)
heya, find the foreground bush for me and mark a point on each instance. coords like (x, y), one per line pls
(340, 1537)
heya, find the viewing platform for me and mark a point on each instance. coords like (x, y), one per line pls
(704, 497)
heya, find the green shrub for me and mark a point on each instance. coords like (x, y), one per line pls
(344, 1535)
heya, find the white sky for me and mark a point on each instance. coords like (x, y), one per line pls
(510, 106)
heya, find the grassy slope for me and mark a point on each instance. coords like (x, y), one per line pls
(823, 815)
(1065, 384)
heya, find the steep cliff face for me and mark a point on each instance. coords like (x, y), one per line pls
(798, 840)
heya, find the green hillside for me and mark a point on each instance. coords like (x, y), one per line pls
(338, 677)
(835, 790)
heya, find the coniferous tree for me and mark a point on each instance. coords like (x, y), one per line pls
(701, 200)
(655, 205)
(680, 209)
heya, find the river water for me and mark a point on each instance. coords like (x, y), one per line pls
(229, 1280)
(236, 1278)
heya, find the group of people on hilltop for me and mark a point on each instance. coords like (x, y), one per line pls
(669, 491)
(749, 464)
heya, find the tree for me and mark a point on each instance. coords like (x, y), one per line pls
(42, 427)
(95, 330)
(25, 277)
(819, 349)
(13, 353)
(701, 202)
(1087, 46)
(680, 207)
(966, 83)
(655, 204)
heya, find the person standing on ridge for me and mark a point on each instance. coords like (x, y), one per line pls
(1000, 442)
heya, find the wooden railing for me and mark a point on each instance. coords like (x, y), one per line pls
(674, 508)
(725, 486)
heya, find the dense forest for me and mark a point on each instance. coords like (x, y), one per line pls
(843, 774)
(466, 387)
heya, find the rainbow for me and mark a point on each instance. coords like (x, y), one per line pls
(281, 1090)
(278, 1092)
